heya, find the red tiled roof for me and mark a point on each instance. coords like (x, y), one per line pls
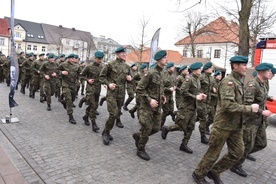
(4, 27)
(172, 56)
(218, 31)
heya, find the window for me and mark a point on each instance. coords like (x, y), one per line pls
(19, 46)
(29, 47)
(34, 47)
(15, 45)
(199, 53)
(17, 35)
(67, 42)
(217, 53)
(185, 53)
(2, 41)
(43, 49)
(38, 36)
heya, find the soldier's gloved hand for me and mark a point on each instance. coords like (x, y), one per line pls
(128, 78)
(255, 107)
(153, 103)
(267, 113)
(64, 73)
(112, 86)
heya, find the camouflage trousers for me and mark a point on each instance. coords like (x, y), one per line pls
(93, 102)
(211, 116)
(203, 112)
(69, 94)
(254, 138)
(168, 109)
(37, 83)
(2, 75)
(114, 106)
(49, 89)
(150, 124)
(26, 80)
(218, 137)
(185, 121)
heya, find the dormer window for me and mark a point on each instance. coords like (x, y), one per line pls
(38, 36)
(28, 35)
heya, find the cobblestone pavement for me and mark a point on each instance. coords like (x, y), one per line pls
(46, 148)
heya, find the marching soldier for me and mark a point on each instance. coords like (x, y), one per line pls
(227, 126)
(254, 126)
(151, 93)
(21, 59)
(131, 86)
(69, 71)
(91, 74)
(2, 73)
(6, 67)
(37, 79)
(184, 72)
(115, 75)
(186, 114)
(169, 88)
(26, 66)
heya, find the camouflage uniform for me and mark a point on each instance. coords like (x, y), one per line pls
(178, 95)
(37, 79)
(227, 128)
(131, 89)
(168, 107)
(114, 72)
(7, 67)
(26, 66)
(21, 69)
(151, 86)
(2, 75)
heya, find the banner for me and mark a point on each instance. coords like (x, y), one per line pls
(154, 46)
(14, 63)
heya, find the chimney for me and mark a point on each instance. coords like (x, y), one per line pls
(73, 29)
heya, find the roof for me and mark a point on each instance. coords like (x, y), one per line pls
(54, 33)
(4, 27)
(34, 31)
(218, 31)
(172, 56)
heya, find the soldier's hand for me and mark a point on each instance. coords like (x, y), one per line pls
(199, 97)
(64, 73)
(164, 99)
(153, 103)
(38, 71)
(91, 81)
(214, 90)
(172, 89)
(267, 113)
(54, 74)
(112, 86)
(204, 96)
(255, 107)
(47, 77)
(128, 78)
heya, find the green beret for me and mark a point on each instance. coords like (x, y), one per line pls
(3, 55)
(42, 54)
(159, 55)
(273, 70)
(153, 65)
(120, 49)
(196, 65)
(218, 72)
(76, 56)
(143, 66)
(183, 68)
(61, 55)
(8, 58)
(207, 65)
(50, 56)
(30, 54)
(264, 66)
(254, 74)
(134, 64)
(239, 59)
(71, 56)
(99, 54)
(21, 53)
(169, 65)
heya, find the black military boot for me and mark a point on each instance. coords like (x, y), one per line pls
(207, 131)
(85, 119)
(41, 99)
(119, 123)
(132, 113)
(199, 180)
(173, 115)
(214, 177)
(102, 101)
(105, 138)
(142, 154)
(94, 126)
(71, 119)
(185, 148)
(81, 102)
(250, 157)
(49, 107)
(204, 139)
(238, 170)
(110, 137)
(136, 137)
(22, 90)
(164, 132)
(97, 113)
(125, 107)
(63, 104)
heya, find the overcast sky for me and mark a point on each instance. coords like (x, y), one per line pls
(116, 19)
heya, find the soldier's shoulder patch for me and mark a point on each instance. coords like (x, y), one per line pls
(230, 83)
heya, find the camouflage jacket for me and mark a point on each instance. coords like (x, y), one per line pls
(169, 81)
(230, 106)
(92, 71)
(115, 72)
(70, 80)
(151, 86)
(178, 94)
(206, 84)
(26, 65)
(36, 66)
(48, 68)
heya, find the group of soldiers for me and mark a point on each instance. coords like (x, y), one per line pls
(236, 111)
